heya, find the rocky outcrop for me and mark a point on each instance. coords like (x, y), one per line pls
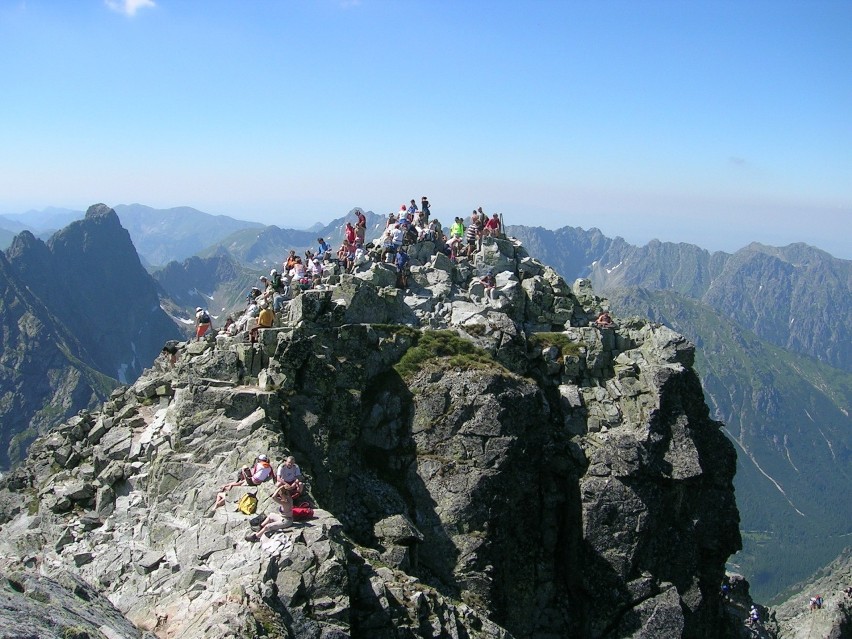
(799, 619)
(479, 468)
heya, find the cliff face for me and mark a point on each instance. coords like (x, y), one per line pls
(488, 476)
(43, 375)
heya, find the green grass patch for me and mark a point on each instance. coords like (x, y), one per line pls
(475, 329)
(559, 340)
(445, 349)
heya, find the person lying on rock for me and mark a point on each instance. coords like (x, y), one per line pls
(253, 475)
(273, 523)
(604, 320)
(289, 476)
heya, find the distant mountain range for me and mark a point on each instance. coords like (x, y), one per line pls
(772, 326)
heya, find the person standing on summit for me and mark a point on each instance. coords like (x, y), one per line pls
(202, 323)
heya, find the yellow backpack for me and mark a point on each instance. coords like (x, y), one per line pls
(248, 504)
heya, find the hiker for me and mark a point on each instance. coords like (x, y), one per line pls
(280, 290)
(490, 284)
(289, 476)
(402, 267)
(170, 351)
(349, 233)
(604, 320)
(471, 236)
(253, 475)
(753, 616)
(323, 249)
(492, 226)
(360, 228)
(283, 496)
(346, 256)
(230, 327)
(203, 323)
(290, 261)
(273, 523)
(388, 248)
(425, 206)
(266, 318)
(456, 236)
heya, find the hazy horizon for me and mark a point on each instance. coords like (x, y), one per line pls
(633, 235)
(712, 123)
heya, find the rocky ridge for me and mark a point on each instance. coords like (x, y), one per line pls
(480, 468)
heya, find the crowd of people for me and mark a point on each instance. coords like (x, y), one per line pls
(407, 226)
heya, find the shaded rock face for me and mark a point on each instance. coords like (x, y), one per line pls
(90, 277)
(43, 377)
(496, 481)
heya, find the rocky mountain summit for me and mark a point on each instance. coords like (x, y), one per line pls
(479, 467)
(79, 313)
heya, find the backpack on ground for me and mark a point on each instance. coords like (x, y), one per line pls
(303, 511)
(248, 504)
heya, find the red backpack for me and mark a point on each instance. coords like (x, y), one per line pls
(303, 511)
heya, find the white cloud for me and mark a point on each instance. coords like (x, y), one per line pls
(129, 7)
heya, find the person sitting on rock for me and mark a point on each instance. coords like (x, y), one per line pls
(252, 475)
(489, 283)
(290, 262)
(283, 496)
(280, 290)
(315, 271)
(492, 226)
(265, 319)
(346, 256)
(170, 351)
(323, 249)
(289, 476)
(388, 247)
(604, 320)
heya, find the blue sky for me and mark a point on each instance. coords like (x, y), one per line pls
(717, 123)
